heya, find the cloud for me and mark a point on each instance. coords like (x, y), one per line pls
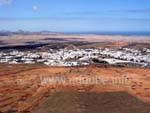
(35, 8)
(139, 11)
(5, 2)
(81, 13)
(133, 10)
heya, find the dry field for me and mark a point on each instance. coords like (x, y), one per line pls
(16, 40)
(23, 89)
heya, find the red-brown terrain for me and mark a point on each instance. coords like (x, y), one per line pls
(22, 89)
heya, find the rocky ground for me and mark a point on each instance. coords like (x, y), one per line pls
(23, 88)
(85, 102)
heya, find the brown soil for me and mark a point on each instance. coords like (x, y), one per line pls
(85, 102)
(21, 89)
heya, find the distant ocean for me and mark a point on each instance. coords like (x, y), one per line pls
(114, 33)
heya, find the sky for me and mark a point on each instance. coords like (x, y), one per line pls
(75, 15)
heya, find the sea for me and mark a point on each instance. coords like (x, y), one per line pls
(143, 33)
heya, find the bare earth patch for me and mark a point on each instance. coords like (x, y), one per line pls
(21, 89)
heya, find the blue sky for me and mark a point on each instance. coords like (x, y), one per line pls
(75, 15)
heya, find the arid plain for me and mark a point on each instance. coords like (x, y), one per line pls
(23, 89)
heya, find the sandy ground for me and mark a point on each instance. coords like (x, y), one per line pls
(26, 39)
(24, 87)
